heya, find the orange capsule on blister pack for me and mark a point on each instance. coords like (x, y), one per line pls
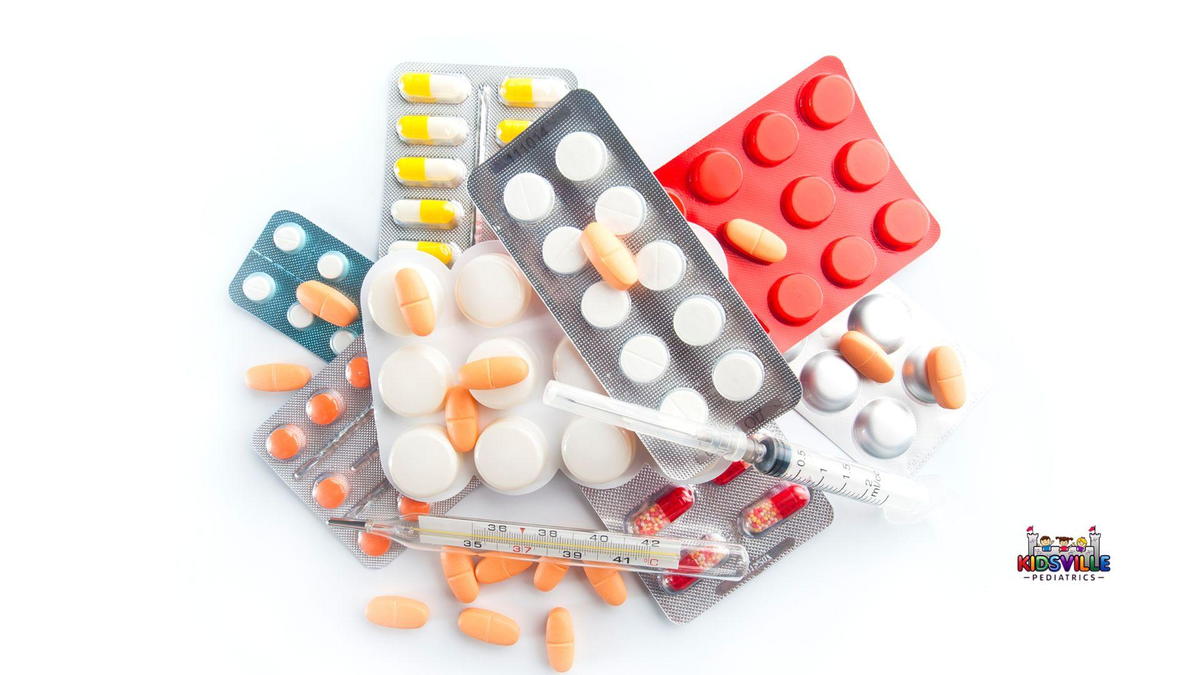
(411, 507)
(462, 419)
(866, 356)
(495, 567)
(327, 302)
(610, 256)
(394, 611)
(488, 626)
(459, 570)
(607, 583)
(286, 442)
(946, 381)
(324, 407)
(560, 639)
(493, 372)
(548, 573)
(277, 377)
(373, 544)
(755, 241)
(358, 373)
(331, 491)
(416, 306)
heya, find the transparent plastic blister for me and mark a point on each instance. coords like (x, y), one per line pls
(291, 251)
(895, 425)
(738, 343)
(480, 111)
(345, 447)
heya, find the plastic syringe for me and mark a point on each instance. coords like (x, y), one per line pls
(902, 498)
(567, 546)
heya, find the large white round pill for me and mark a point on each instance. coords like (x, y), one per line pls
(713, 247)
(384, 305)
(258, 287)
(660, 265)
(883, 318)
(289, 237)
(699, 320)
(340, 340)
(333, 265)
(644, 358)
(596, 453)
(621, 209)
(604, 306)
(299, 316)
(511, 454)
(738, 375)
(414, 379)
(513, 394)
(491, 290)
(561, 250)
(528, 197)
(570, 368)
(686, 403)
(884, 428)
(830, 383)
(580, 156)
(423, 464)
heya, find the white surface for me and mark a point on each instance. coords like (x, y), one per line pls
(1067, 202)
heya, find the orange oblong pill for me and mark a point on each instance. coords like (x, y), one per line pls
(326, 302)
(496, 567)
(488, 626)
(610, 256)
(415, 304)
(459, 570)
(277, 377)
(946, 380)
(548, 573)
(462, 419)
(755, 241)
(560, 639)
(493, 372)
(394, 611)
(608, 584)
(866, 356)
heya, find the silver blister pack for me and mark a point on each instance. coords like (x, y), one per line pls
(481, 111)
(344, 452)
(740, 340)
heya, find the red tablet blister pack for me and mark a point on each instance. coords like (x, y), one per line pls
(805, 198)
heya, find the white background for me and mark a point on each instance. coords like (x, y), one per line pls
(143, 147)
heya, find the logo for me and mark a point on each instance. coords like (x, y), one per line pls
(1063, 558)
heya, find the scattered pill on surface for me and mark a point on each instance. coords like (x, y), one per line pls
(459, 571)
(560, 639)
(488, 626)
(447, 253)
(491, 290)
(848, 261)
(829, 383)
(562, 252)
(902, 224)
(507, 130)
(604, 306)
(607, 583)
(373, 544)
(826, 100)
(394, 611)
(771, 138)
(778, 504)
(944, 371)
(416, 304)
(866, 356)
(735, 469)
(330, 491)
(493, 568)
(423, 464)
(621, 209)
(755, 241)
(686, 403)
(340, 340)
(258, 287)
(548, 573)
(439, 214)
(299, 317)
(596, 453)
(656, 515)
(325, 407)
(644, 358)
(277, 376)
(610, 256)
(289, 237)
(411, 507)
(414, 379)
(532, 92)
(429, 172)
(862, 164)
(462, 419)
(512, 454)
(434, 87)
(738, 375)
(715, 176)
(327, 302)
(286, 441)
(883, 318)
(795, 298)
(884, 428)
(660, 265)
(432, 130)
(580, 156)
(699, 320)
(358, 372)
(808, 201)
(333, 265)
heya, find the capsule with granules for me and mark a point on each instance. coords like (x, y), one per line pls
(548, 573)
(660, 512)
(560, 639)
(459, 570)
(607, 583)
(488, 626)
(778, 504)
(495, 567)
(694, 561)
(277, 377)
(394, 611)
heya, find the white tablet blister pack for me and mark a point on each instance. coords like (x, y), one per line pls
(623, 273)
(443, 120)
(461, 358)
(885, 382)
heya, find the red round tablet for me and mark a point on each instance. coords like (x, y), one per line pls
(848, 261)
(373, 544)
(675, 197)
(826, 101)
(862, 164)
(796, 298)
(902, 224)
(771, 138)
(807, 201)
(715, 176)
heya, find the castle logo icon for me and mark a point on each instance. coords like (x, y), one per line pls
(1063, 558)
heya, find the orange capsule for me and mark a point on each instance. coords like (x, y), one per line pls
(373, 544)
(277, 377)
(560, 639)
(493, 372)
(412, 507)
(495, 567)
(755, 241)
(488, 626)
(548, 573)
(358, 373)
(866, 356)
(946, 381)
(608, 584)
(610, 256)
(462, 419)
(286, 442)
(326, 302)
(459, 570)
(331, 491)
(394, 611)
(415, 304)
(324, 407)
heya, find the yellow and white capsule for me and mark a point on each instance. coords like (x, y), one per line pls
(430, 171)
(434, 87)
(507, 130)
(446, 252)
(431, 130)
(532, 92)
(440, 214)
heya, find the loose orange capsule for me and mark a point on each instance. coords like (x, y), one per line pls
(462, 419)
(326, 302)
(415, 304)
(324, 407)
(610, 256)
(277, 377)
(493, 372)
(548, 573)
(608, 584)
(412, 507)
(488, 626)
(946, 380)
(495, 567)
(560, 639)
(373, 544)
(358, 373)
(866, 356)
(394, 611)
(755, 241)
(459, 571)
(286, 442)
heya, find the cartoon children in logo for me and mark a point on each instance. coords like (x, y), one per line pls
(1081, 544)
(1044, 542)
(1064, 544)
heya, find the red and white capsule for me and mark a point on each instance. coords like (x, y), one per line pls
(653, 516)
(777, 505)
(695, 561)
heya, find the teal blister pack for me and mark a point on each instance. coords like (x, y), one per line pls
(290, 251)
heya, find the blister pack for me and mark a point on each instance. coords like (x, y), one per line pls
(807, 200)
(885, 382)
(322, 444)
(628, 280)
(766, 516)
(443, 120)
(303, 282)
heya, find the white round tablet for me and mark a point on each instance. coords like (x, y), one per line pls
(511, 454)
(289, 237)
(422, 462)
(686, 403)
(883, 318)
(713, 247)
(258, 287)
(299, 316)
(513, 394)
(580, 156)
(384, 306)
(884, 428)
(644, 358)
(596, 453)
(340, 340)
(414, 379)
(738, 375)
(604, 306)
(561, 250)
(660, 265)
(528, 197)
(621, 209)
(491, 290)
(570, 368)
(333, 265)
(699, 320)
(830, 383)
